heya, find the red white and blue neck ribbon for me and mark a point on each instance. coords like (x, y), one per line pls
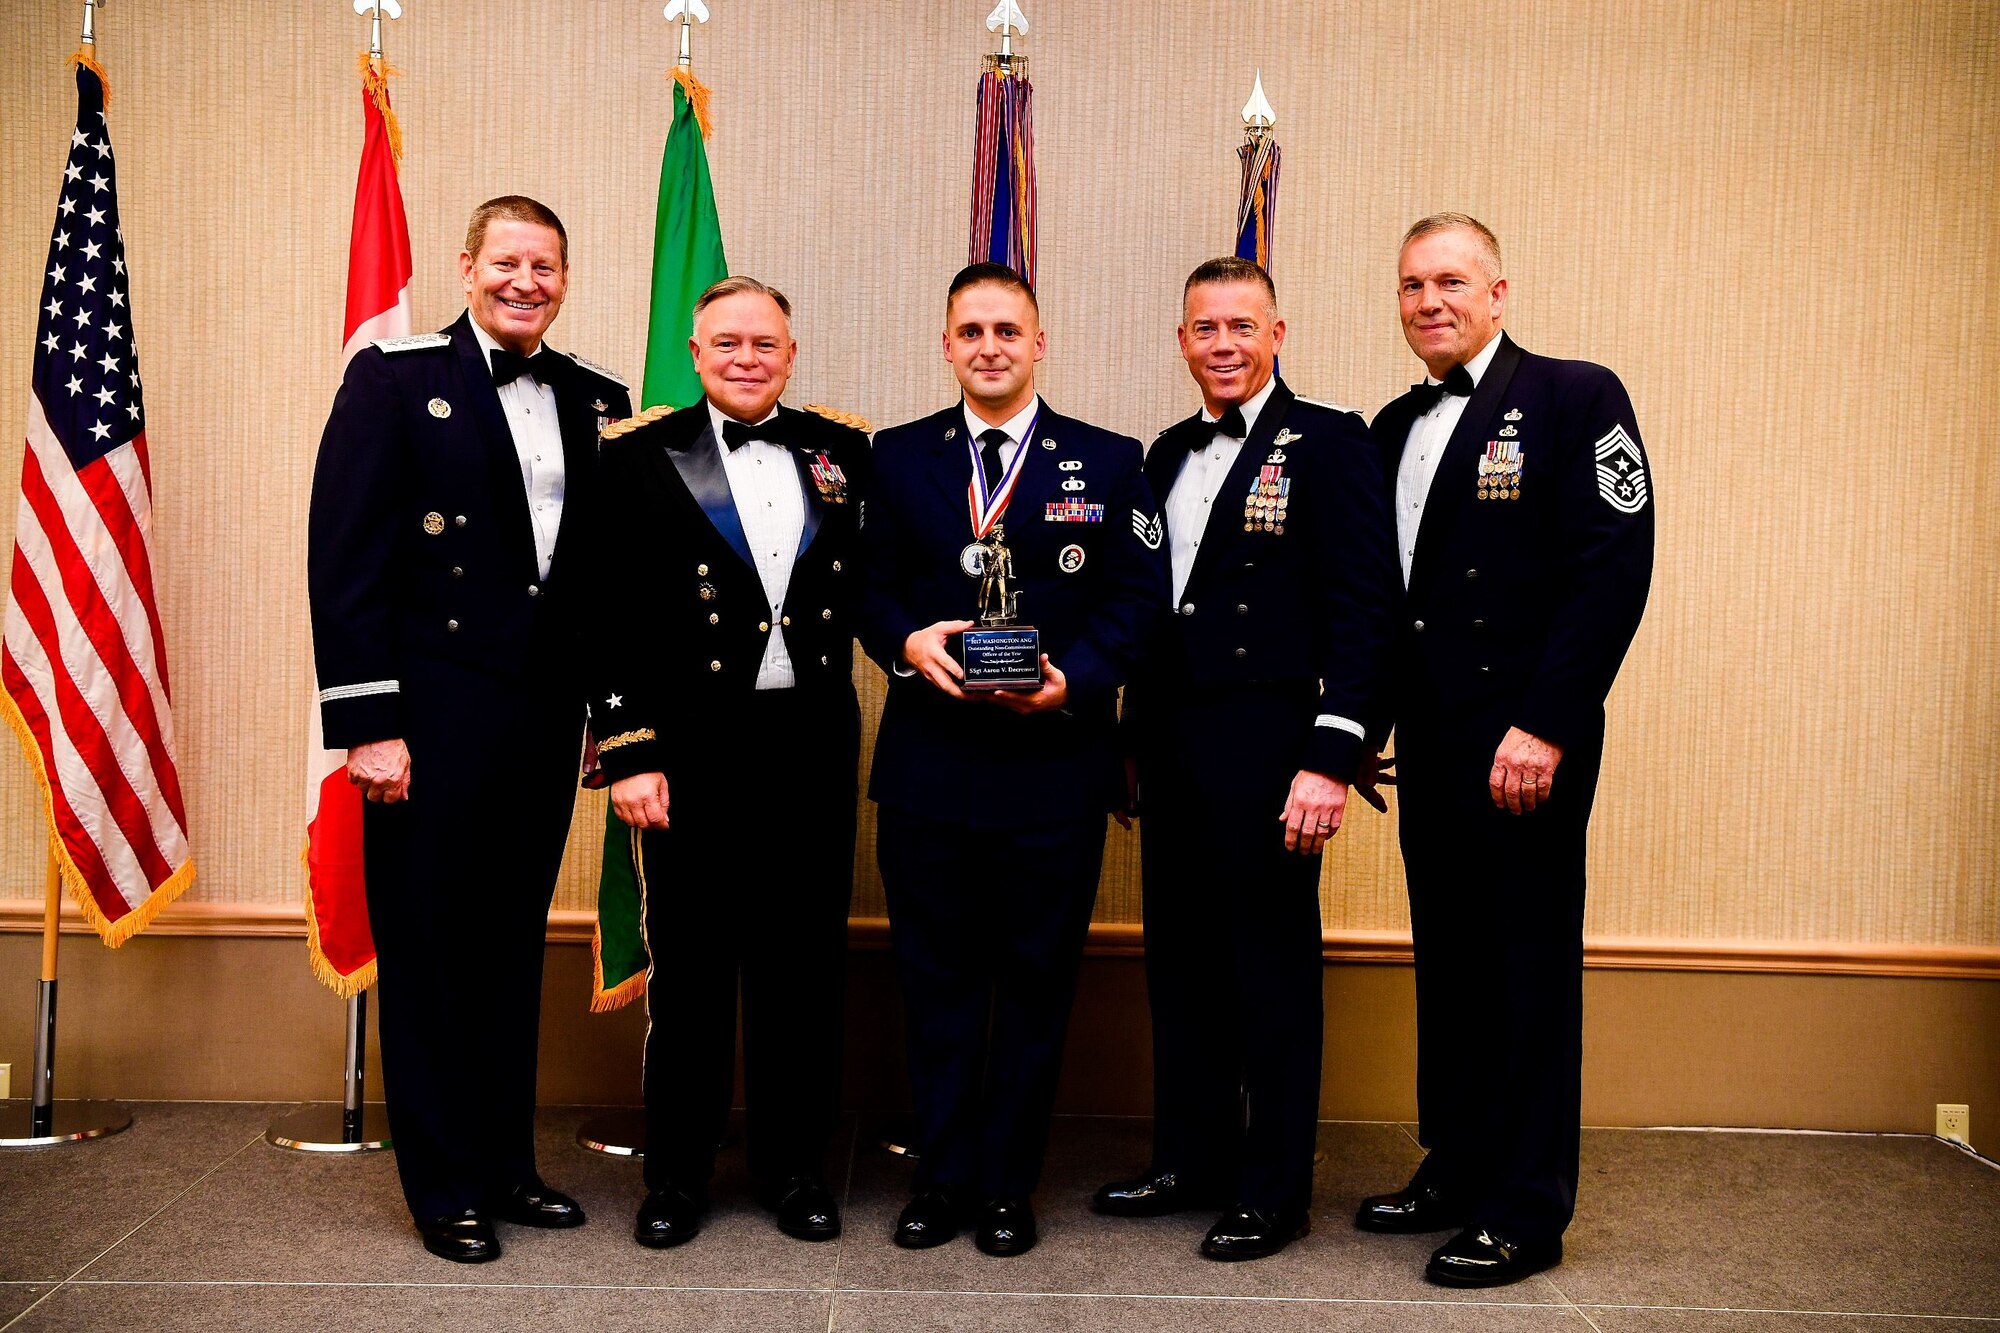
(988, 509)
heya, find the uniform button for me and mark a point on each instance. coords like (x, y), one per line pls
(715, 666)
(1418, 627)
(457, 572)
(534, 590)
(460, 520)
(784, 620)
(1479, 624)
(822, 660)
(1243, 652)
(826, 614)
(1242, 610)
(1472, 573)
(1249, 564)
(1485, 670)
(451, 625)
(714, 619)
(701, 570)
(763, 627)
(1187, 608)
(836, 566)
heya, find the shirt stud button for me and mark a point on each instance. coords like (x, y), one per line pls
(715, 666)
(1187, 608)
(1418, 627)
(701, 569)
(534, 590)
(451, 626)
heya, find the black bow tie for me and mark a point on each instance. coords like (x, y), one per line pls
(510, 366)
(1230, 423)
(735, 434)
(1457, 382)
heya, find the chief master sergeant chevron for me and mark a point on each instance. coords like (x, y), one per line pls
(442, 546)
(1524, 523)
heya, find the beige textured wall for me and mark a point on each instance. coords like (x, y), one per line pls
(1776, 221)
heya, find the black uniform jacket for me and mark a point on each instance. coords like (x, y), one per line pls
(679, 618)
(420, 549)
(1092, 576)
(1530, 577)
(1305, 594)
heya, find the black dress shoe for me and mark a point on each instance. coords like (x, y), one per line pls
(1153, 1195)
(537, 1205)
(1252, 1233)
(1006, 1227)
(668, 1217)
(805, 1209)
(931, 1218)
(1409, 1210)
(463, 1238)
(1478, 1258)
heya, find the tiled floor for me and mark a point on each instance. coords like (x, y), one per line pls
(189, 1221)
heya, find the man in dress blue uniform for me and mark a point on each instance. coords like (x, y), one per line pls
(993, 804)
(442, 549)
(1247, 728)
(723, 591)
(1524, 522)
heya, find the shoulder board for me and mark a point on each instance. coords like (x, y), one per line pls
(1331, 407)
(630, 424)
(413, 342)
(834, 414)
(594, 368)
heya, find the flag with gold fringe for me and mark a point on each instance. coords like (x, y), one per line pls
(339, 941)
(82, 653)
(687, 260)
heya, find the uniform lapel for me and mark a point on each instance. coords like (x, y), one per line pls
(510, 495)
(577, 417)
(1451, 486)
(803, 458)
(1225, 516)
(1169, 455)
(699, 463)
(1039, 473)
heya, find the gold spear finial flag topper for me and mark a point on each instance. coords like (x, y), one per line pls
(376, 71)
(688, 13)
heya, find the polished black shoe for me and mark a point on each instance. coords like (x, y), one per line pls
(1252, 1233)
(1006, 1227)
(930, 1218)
(667, 1218)
(805, 1208)
(463, 1238)
(537, 1205)
(1153, 1195)
(1409, 1210)
(1478, 1258)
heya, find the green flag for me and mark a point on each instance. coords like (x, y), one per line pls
(687, 260)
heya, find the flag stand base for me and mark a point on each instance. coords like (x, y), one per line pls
(330, 1127)
(622, 1133)
(60, 1122)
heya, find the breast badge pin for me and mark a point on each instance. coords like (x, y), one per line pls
(433, 523)
(1049, 445)
(1070, 559)
(1508, 432)
(599, 405)
(951, 432)
(440, 408)
(1514, 414)
(1285, 437)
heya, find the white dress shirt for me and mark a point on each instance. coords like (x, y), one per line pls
(1193, 493)
(764, 482)
(1424, 450)
(530, 409)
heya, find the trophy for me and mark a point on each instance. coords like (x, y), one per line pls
(999, 654)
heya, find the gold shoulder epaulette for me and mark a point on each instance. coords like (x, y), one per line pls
(630, 424)
(854, 419)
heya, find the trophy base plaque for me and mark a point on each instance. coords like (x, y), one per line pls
(1001, 658)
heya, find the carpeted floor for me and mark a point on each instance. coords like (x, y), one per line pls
(190, 1221)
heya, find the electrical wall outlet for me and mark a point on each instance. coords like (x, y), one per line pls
(6, 1082)
(1954, 1123)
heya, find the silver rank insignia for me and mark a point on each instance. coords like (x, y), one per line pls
(1148, 529)
(1621, 471)
(440, 408)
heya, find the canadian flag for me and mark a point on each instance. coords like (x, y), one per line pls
(378, 306)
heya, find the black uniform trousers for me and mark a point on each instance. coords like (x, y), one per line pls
(988, 926)
(460, 877)
(1496, 913)
(749, 885)
(1233, 957)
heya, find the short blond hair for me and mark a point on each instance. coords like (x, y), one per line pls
(513, 208)
(737, 285)
(1436, 222)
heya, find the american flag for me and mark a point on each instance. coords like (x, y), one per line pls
(84, 661)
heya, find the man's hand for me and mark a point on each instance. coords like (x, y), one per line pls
(1312, 811)
(1050, 695)
(924, 653)
(1375, 773)
(381, 769)
(641, 800)
(1524, 768)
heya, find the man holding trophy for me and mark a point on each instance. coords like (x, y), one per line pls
(1013, 569)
